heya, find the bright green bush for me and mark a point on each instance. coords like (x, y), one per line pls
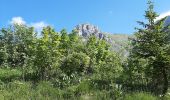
(10, 74)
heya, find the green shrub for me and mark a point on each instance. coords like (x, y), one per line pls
(10, 74)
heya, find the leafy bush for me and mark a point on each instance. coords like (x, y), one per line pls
(10, 74)
(75, 63)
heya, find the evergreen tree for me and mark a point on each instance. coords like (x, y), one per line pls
(149, 56)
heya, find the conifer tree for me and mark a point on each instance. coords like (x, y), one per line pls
(149, 54)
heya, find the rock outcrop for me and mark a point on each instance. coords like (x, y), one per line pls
(87, 30)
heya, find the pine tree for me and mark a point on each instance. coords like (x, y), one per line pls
(149, 54)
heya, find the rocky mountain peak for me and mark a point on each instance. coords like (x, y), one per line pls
(86, 30)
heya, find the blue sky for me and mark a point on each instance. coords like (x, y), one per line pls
(114, 16)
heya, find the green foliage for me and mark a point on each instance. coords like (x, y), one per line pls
(140, 96)
(149, 59)
(62, 65)
(75, 63)
(167, 96)
(46, 60)
(7, 75)
(16, 90)
(45, 90)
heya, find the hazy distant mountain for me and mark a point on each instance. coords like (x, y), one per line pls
(167, 21)
(167, 26)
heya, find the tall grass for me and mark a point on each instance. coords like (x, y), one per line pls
(140, 96)
(18, 90)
